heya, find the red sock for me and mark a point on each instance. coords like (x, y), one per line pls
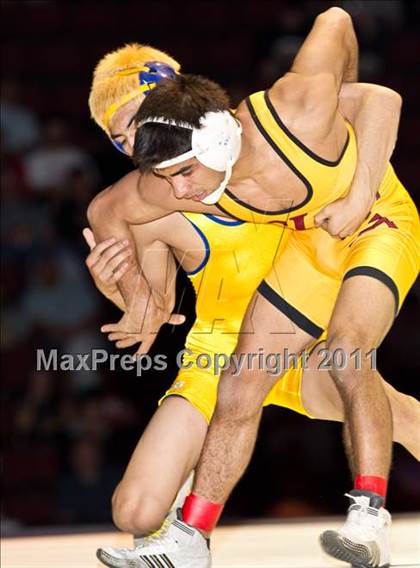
(371, 483)
(201, 513)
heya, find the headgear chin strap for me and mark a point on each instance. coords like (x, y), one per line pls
(216, 145)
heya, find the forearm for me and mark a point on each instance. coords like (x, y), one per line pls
(113, 295)
(374, 112)
(159, 267)
(106, 220)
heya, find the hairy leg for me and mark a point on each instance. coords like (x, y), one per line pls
(406, 419)
(321, 399)
(363, 314)
(164, 457)
(233, 429)
(348, 448)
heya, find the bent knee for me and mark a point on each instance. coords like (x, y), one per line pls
(140, 515)
(351, 356)
(347, 340)
(240, 397)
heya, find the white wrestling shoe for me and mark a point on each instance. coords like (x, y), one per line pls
(123, 557)
(363, 541)
(180, 546)
(171, 516)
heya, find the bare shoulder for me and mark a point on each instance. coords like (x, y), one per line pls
(304, 91)
(300, 99)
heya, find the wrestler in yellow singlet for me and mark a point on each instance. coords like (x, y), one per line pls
(224, 287)
(306, 277)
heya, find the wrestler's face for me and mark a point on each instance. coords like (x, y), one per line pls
(190, 179)
(122, 127)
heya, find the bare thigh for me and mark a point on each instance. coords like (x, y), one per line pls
(165, 455)
(362, 316)
(265, 331)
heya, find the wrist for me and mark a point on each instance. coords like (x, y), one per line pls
(360, 194)
(362, 184)
(133, 286)
(107, 290)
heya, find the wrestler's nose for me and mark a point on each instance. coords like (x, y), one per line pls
(180, 186)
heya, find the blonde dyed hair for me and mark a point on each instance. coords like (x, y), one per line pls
(116, 81)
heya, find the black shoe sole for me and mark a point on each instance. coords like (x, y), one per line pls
(343, 549)
(101, 556)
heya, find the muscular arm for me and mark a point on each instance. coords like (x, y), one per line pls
(159, 268)
(156, 261)
(374, 111)
(330, 48)
(133, 201)
(307, 96)
(107, 262)
(325, 70)
(110, 214)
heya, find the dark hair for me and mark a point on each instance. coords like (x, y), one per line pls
(184, 99)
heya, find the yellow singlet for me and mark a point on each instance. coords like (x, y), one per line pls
(325, 180)
(237, 257)
(306, 278)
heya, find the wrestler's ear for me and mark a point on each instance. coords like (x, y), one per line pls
(89, 237)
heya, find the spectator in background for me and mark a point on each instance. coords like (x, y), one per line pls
(84, 493)
(49, 167)
(19, 124)
(84, 417)
(37, 418)
(15, 324)
(63, 306)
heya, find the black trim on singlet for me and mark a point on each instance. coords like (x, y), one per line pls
(285, 160)
(379, 275)
(227, 212)
(288, 310)
(324, 161)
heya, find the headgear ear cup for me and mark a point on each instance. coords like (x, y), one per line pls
(222, 134)
(217, 142)
(216, 145)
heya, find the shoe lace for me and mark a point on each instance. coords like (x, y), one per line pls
(363, 520)
(157, 536)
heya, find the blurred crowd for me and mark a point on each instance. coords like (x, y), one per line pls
(67, 435)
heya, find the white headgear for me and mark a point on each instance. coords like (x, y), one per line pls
(216, 144)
